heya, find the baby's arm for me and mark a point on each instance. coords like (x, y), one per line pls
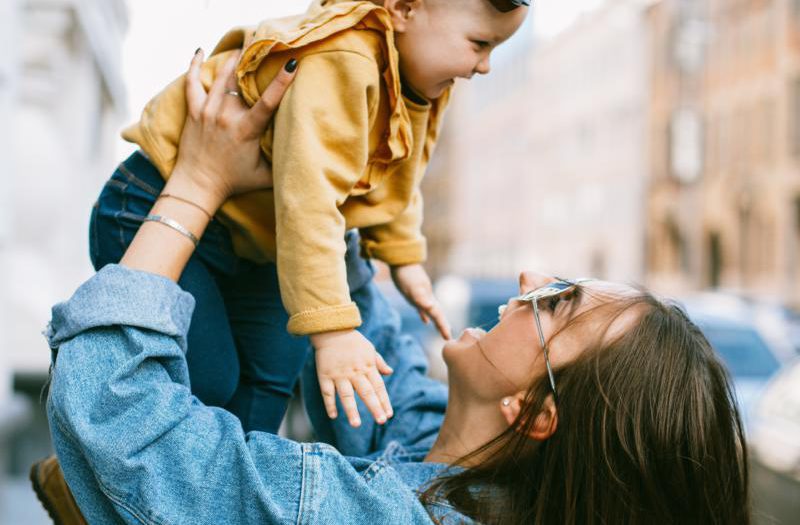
(320, 151)
(401, 244)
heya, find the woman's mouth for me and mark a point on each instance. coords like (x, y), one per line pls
(474, 333)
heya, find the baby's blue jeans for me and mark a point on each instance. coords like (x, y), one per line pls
(240, 356)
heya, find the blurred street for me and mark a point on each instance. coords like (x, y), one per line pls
(18, 504)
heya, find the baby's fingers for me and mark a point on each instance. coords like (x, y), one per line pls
(348, 399)
(382, 366)
(370, 398)
(380, 389)
(435, 312)
(423, 316)
(328, 391)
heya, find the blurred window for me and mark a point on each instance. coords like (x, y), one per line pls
(743, 351)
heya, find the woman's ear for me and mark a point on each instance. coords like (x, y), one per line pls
(401, 12)
(546, 420)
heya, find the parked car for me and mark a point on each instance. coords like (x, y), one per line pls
(777, 323)
(767, 388)
(774, 440)
(751, 358)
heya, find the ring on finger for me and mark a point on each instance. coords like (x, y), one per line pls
(233, 92)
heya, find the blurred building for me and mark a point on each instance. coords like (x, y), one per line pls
(61, 100)
(725, 193)
(678, 32)
(544, 162)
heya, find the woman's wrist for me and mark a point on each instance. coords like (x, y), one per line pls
(205, 195)
(164, 244)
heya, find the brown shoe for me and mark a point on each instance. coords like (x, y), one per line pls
(52, 490)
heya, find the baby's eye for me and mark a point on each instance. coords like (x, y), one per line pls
(481, 44)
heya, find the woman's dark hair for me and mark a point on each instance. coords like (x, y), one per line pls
(648, 432)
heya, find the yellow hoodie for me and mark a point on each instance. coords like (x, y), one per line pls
(347, 151)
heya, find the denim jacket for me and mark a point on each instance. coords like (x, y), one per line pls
(137, 447)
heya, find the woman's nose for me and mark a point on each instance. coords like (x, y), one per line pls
(531, 280)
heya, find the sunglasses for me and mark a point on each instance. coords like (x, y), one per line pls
(558, 288)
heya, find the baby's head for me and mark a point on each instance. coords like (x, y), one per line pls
(441, 40)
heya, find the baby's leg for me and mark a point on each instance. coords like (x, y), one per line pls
(118, 213)
(271, 359)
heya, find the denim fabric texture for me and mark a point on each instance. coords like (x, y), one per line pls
(137, 447)
(241, 357)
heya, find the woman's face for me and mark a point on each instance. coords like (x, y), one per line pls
(499, 363)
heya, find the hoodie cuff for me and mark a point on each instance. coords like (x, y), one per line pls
(396, 253)
(117, 295)
(327, 319)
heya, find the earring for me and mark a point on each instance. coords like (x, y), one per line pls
(506, 402)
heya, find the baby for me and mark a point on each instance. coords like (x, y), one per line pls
(348, 147)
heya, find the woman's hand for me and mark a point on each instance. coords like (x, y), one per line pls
(219, 151)
(219, 156)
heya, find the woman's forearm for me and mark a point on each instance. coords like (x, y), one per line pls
(162, 250)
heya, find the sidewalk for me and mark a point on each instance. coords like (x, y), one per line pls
(18, 504)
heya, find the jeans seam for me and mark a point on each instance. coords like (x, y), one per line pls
(136, 181)
(117, 184)
(94, 237)
(121, 228)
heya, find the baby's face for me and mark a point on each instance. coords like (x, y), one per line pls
(441, 40)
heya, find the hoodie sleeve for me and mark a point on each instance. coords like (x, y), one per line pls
(320, 151)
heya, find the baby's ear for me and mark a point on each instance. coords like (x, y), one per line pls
(546, 420)
(401, 12)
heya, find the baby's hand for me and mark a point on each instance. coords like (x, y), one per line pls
(348, 363)
(413, 282)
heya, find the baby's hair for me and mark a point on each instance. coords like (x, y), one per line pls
(503, 6)
(509, 5)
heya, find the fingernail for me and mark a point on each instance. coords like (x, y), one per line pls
(198, 50)
(391, 413)
(357, 423)
(291, 65)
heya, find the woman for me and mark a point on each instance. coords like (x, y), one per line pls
(589, 402)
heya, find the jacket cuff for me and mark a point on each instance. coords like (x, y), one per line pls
(396, 253)
(327, 319)
(117, 295)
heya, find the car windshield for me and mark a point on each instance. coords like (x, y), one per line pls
(743, 351)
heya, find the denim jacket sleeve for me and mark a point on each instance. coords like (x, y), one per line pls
(120, 402)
